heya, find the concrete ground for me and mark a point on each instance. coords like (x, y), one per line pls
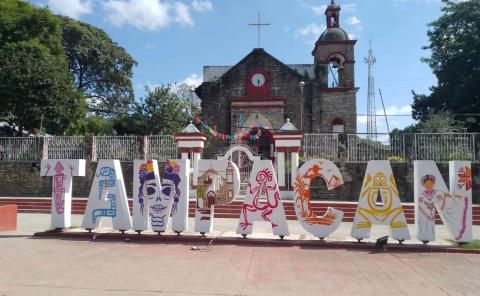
(33, 266)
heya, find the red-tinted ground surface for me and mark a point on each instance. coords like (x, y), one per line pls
(65, 267)
(53, 267)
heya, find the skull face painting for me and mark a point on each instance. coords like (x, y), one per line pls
(148, 187)
(170, 193)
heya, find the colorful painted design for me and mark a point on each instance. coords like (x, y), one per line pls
(432, 195)
(218, 184)
(320, 226)
(465, 178)
(58, 188)
(170, 194)
(263, 186)
(108, 198)
(147, 185)
(379, 203)
(107, 212)
(107, 180)
(62, 171)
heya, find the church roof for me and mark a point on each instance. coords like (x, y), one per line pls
(288, 127)
(190, 129)
(334, 34)
(214, 72)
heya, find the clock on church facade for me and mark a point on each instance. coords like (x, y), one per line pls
(260, 92)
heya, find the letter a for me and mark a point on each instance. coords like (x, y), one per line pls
(263, 186)
(108, 198)
(379, 185)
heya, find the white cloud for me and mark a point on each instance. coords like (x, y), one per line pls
(193, 80)
(72, 8)
(142, 14)
(349, 7)
(182, 14)
(201, 6)
(319, 10)
(151, 15)
(310, 30)
(353, 21)
(394, 110)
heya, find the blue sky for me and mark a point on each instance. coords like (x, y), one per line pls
(173, 40)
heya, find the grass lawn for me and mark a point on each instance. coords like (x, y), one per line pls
(472, 245)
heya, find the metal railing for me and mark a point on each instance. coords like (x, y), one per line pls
(65, 147)
(444, 147)
(321, 146)
(355, 148)
(366, 147)
(123, 148)
(18, 149)
(161, 147)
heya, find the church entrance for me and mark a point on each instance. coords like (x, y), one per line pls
(243, 156)
(264, 145)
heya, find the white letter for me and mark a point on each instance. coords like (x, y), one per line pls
(329, 172)
(218, 184)
(454, 207)
(263, 185)
(62, 171)
(379, 183)
(153, 203)
(108, 198)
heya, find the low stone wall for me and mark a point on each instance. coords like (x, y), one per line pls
(354, 173)
(24, 180)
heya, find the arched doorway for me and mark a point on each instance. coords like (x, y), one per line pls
(243, 157)
(264, 144)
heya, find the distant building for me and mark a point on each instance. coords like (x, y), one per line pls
(261, 92)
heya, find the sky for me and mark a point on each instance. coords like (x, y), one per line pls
(173, 39)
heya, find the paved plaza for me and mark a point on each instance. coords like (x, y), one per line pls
(34, 266)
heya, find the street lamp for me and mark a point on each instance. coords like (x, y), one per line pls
(302, 87)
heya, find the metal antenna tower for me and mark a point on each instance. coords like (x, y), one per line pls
(371, 107)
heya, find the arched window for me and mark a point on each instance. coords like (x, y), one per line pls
(335, 66)
(338, 125)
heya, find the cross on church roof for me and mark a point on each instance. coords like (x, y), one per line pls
(259, 26)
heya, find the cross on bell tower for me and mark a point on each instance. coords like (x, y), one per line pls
(259, 25)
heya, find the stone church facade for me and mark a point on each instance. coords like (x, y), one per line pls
(261, 92)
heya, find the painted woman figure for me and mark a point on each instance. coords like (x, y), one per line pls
(426, 206)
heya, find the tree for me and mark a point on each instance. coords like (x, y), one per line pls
(455, 60)
(36, 89)
(186, 93)
(441, 122)
(161, 111)
(102, 69)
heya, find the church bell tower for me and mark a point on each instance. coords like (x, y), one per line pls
(333, 89)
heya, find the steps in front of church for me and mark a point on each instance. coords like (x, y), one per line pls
(43, 206)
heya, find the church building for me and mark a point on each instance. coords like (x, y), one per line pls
(261, 93)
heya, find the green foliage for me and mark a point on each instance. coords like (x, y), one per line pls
(472, 245)
(441, 122)
(187, 94)
(455, 60)
(160, 112)
(92, 125)
(396, 159)
(35, 86)
(102, 69)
